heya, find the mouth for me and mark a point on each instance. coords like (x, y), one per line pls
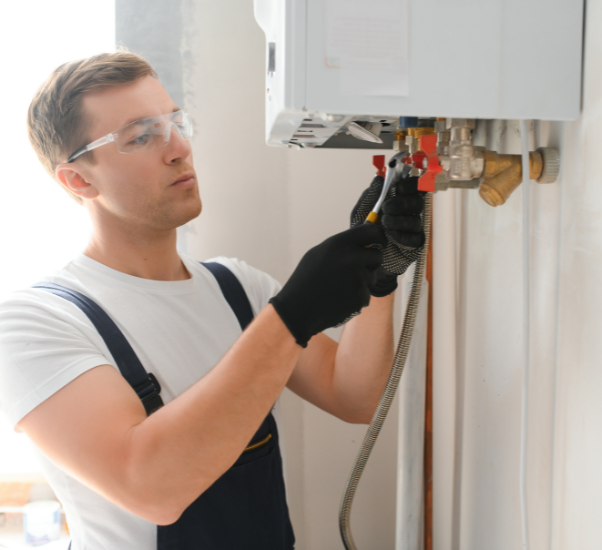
(187, 179)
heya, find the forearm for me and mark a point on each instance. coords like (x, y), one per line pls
(364, 358)
(180, 450)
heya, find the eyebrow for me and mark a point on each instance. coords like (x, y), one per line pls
(174, 110)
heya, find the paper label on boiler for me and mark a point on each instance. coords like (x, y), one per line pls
(368, 42)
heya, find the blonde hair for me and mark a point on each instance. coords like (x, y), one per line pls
(56, 122)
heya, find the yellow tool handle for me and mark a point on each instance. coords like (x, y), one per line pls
(372, 218)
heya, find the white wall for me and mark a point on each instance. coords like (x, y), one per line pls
(478, 347)
(41, 228)
(578, 420)
(483, 340)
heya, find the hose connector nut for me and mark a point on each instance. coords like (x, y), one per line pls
(551, 164)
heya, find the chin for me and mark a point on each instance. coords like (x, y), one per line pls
(190, 213)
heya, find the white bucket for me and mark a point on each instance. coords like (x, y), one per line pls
(42, 522)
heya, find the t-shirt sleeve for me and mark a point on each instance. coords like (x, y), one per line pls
(45, 343)
(258, 285)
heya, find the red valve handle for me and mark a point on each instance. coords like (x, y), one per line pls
(428, 145)
(379, 163)
(415, 159)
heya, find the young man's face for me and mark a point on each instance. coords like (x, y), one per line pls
(138, 189)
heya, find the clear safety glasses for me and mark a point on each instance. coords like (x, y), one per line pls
(144, 134)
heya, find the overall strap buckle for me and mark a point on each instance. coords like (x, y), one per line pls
(148, 392)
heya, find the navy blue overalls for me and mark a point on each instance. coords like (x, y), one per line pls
(246, 508)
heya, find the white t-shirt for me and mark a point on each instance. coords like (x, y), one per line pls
(178, 329)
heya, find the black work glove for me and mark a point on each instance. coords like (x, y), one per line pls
(332, 282)
(401, 218)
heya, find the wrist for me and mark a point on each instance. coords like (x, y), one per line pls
(297, 330)
(386, 283)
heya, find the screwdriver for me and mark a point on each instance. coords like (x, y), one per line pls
(373, 216)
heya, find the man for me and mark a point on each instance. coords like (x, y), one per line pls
(185, 476)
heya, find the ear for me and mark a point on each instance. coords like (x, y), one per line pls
(73, 178)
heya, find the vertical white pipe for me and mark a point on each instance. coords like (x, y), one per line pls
(410, 454)
(526, 333)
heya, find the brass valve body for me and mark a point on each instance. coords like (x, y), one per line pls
(504, 173)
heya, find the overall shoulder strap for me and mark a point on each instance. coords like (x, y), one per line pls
(233, 291)
(144, 384)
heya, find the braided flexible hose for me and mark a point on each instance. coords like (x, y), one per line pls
(386, 399)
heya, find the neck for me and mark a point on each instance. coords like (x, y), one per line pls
(148, 254)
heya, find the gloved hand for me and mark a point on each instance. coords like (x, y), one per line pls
(331, 283)
(402, 221)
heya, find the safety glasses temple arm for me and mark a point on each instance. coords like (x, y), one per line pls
(99, 142)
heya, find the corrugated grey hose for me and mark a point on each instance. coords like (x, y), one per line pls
(386, 399)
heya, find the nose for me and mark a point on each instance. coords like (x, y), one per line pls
(178, 148)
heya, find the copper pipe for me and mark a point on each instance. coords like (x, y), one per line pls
(504, 173)
(428, 420)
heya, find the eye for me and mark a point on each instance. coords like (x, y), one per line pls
(140, 139)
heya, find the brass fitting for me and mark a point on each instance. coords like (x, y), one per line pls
(420, 131)
(504, 173)
(399, 144)
(400, 135)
